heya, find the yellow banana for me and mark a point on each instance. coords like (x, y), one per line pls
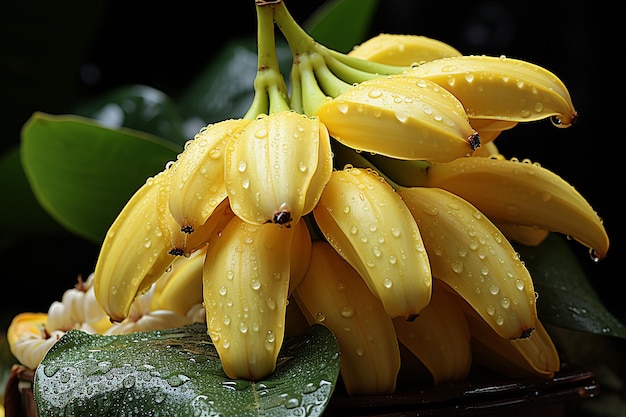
(405, 50)
(333, 294)
(439, 337)
(471, 255)
(489, 129)
(402, 117)
(196, 184)
(300, 254)
(526, 235)
(245, 289)
(277, 167)
(180, 287)
(502, 88)
(134, 253)
(535, 356)
(520, 192)
(368, 225)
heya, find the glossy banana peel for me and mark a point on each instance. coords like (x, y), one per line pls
(277, 167)
(134, 253)
(333, 294)
(367, 223)
(440, 337)
(469, 253)
(523, 193)
(402, 117)
(502, 88)
(405, 50)
(245, 289)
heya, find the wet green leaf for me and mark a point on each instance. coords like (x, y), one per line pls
(566, 298)
(137, 107)
(177, 373)
(82, 173)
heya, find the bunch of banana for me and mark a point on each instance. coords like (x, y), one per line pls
(376, 171)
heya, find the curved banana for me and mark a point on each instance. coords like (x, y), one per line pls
(180, 287)
(502, 88)
(402, 117)
(526, 235)
(277, 167)
(196, 184)
(439, 337)
(405, 50)
(182, 243)
(333, 294)
(469, 253)
(520, 192)
(245, 288)
(535, 356)
(368, 224)
(489, 129)
(134, 253)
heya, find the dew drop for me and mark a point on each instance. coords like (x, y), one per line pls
(347, 312)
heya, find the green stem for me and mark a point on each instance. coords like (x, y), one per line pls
(270, 89)
(312, 96)
(326, 79)
(301, 43)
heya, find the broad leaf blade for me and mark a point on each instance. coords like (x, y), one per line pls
(566, 298)
(177, 372)
(83, 173)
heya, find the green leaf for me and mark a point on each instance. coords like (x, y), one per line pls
(177, 372)
(83, 173)
(137, 107)
(341, 24)
(566, 298)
